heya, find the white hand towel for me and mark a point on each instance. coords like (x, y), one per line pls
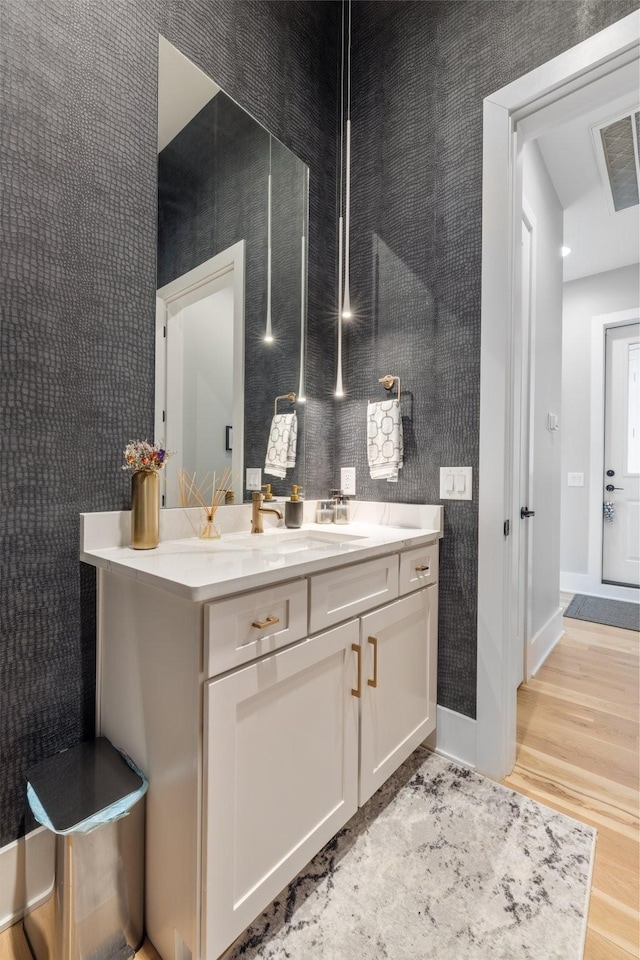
(281, 448)
(384, 440)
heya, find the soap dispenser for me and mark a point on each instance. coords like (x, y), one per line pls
(341, 513)
(293, 509)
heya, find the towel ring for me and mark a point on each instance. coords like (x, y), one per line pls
(291, 397)
(387, 382)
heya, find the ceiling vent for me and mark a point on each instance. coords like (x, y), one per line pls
(618, 146)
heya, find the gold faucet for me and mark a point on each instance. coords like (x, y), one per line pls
(257, 510)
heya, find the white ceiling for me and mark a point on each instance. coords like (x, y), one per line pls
(599, 239)
(183, 90)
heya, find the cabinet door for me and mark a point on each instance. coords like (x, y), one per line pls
(399, 652)
(280, 775)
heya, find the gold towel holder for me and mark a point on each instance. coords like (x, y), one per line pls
(388, 381)
(291, 397)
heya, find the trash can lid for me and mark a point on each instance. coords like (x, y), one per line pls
(80, 782)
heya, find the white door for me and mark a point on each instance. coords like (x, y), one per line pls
(621, 486)
(398, 683)
(199, 412)
(280, 775)
(525, 476)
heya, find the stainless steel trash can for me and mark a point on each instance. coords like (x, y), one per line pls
(92, 798)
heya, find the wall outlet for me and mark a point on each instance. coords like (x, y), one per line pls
(455, 483)
(575, 479)
(348, 481)
(254, 478)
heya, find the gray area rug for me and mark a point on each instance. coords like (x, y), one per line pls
(440, 863)
(615, 613)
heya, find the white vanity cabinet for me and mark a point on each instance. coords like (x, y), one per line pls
(262, 719)
(280, 774)
(398, 703)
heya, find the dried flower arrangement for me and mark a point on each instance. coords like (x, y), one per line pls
(142, 455)
(204, 494)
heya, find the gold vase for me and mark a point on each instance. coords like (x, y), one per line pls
(145, 509)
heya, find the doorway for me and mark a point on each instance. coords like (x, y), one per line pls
(200, 373)
(517, 113)
(621, 514)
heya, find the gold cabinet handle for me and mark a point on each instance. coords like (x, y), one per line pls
(358, 650)
(269, 622)
(423, 568)
(374, 642)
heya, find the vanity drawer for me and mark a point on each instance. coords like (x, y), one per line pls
(340, 594)
(418, 568)
(247, 626)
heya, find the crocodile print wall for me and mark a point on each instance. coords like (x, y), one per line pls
(77, 282)
(420, 73)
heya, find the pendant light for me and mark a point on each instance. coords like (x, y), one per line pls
(339, 393)
(268, 334)
(346, 303)
(303, 280)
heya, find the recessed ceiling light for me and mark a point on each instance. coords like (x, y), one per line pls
(565, 251)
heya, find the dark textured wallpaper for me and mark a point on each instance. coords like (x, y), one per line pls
(78, 156)
(420, 73)
(77, 280)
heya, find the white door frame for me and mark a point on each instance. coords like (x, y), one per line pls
(599, 326)
(168, 302)
(552, 93)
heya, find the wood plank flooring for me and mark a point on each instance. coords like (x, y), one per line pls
(13, 946)
(578, 752)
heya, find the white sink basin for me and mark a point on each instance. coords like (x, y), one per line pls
(278, 543)
(301, 540)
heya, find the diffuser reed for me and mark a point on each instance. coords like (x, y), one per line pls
(204, 494)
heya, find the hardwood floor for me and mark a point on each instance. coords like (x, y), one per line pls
(578, 752)
(13, 946)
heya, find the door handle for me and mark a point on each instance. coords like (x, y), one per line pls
(357, 649)
(374, 642)
(525, 512)
(609, 487)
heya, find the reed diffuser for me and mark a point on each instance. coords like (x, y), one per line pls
(206, 495)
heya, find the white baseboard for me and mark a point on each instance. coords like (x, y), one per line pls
(584, 583)
(544, 642)
(574, 582)
(454, 737)
(38, 846)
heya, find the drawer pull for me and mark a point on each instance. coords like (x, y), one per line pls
(374, 642)
(358, 650)
(424, 568)
(269, 622)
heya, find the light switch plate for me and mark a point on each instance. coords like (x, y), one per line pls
(575, 479)
(348, 481)
(254, 478)
(455, 483)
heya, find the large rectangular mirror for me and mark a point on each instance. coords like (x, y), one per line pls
(231, 288)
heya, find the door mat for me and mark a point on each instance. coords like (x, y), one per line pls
(440, 864)
(614, 613)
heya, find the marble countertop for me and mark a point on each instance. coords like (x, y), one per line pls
(205, 570)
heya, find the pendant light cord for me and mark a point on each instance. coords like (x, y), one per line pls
(346, 304)
(268, 336)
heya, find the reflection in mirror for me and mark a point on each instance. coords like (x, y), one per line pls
(216, 375)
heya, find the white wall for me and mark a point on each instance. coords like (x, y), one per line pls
(542, 200)
(583, 299)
